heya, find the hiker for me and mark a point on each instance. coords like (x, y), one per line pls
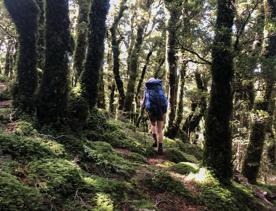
(155, 103)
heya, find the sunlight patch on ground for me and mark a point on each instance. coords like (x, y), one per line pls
(202, 177)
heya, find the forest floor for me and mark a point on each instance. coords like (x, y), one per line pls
(109, 165)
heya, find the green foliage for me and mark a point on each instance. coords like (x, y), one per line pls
(21, 148)
(54, 176)
(78, 112)
(106, 161)
(24, 128)
(184, 147)
(185, 168)
(16, 196)
(175, 155)
(5, 95)
(162, 182)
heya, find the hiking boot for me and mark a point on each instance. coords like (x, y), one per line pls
(160, 149)
(154, 136)
(154, 144)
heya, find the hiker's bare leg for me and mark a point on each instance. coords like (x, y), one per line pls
(153, 127)
(159, 131)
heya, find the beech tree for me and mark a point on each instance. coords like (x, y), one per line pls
(262, 105)
(94, 59)
(218, 143)
(25, 17)
(53, 92)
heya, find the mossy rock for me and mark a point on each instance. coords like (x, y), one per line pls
(16, 196)
(231, 197)
(175, 155)
(161, 182)
(78, 112)
(188, 148)
(29, 148)
(55, 176)
(193, 150)
(184, 168)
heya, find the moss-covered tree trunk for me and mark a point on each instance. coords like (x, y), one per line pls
(218, 144)
(53, 92)
(41, 35)
(172, 67)
(254, 152)
(198, 107)
(101, 96)
(142, 77)
(180, 105)
(111, 98)
(9, 59)
(133, 68)
(81, 39)
(94, 59)
(116, 54)
(25, 16)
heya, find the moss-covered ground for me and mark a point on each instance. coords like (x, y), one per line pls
(109, 165)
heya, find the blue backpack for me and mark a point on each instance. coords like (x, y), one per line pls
(156, 102)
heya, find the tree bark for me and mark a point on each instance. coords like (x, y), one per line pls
(94, 60)
(41, 36)
(259, 127)
(101, 98)
(180, 106)
(172, 65)
(25, 16)
(133, 68)
(116, 54)
(142, 77)
(198, 108)
(218, 144)
(53, 93)
(81, 40)
(9, 59)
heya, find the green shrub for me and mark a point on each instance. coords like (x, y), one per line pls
(162, 182)
(16, 196)
(24, 128)
(177, 156)
(29, 148)
(118, 190)
(106, 161)
(55, 176)
(184, 168)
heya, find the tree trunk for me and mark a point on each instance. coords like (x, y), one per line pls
(41, 36)
(258, 132)
(172, 64)
(111, 98)
(218, 144)
(25, 16)
(53, 91)
(9, 59)
(81, 40)
(133, 68)
(116, 54)
(139, 86)
(180, 107)
(101, 98)
(94, 60)
(198, 108)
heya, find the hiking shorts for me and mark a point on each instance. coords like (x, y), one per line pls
(156, 117)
